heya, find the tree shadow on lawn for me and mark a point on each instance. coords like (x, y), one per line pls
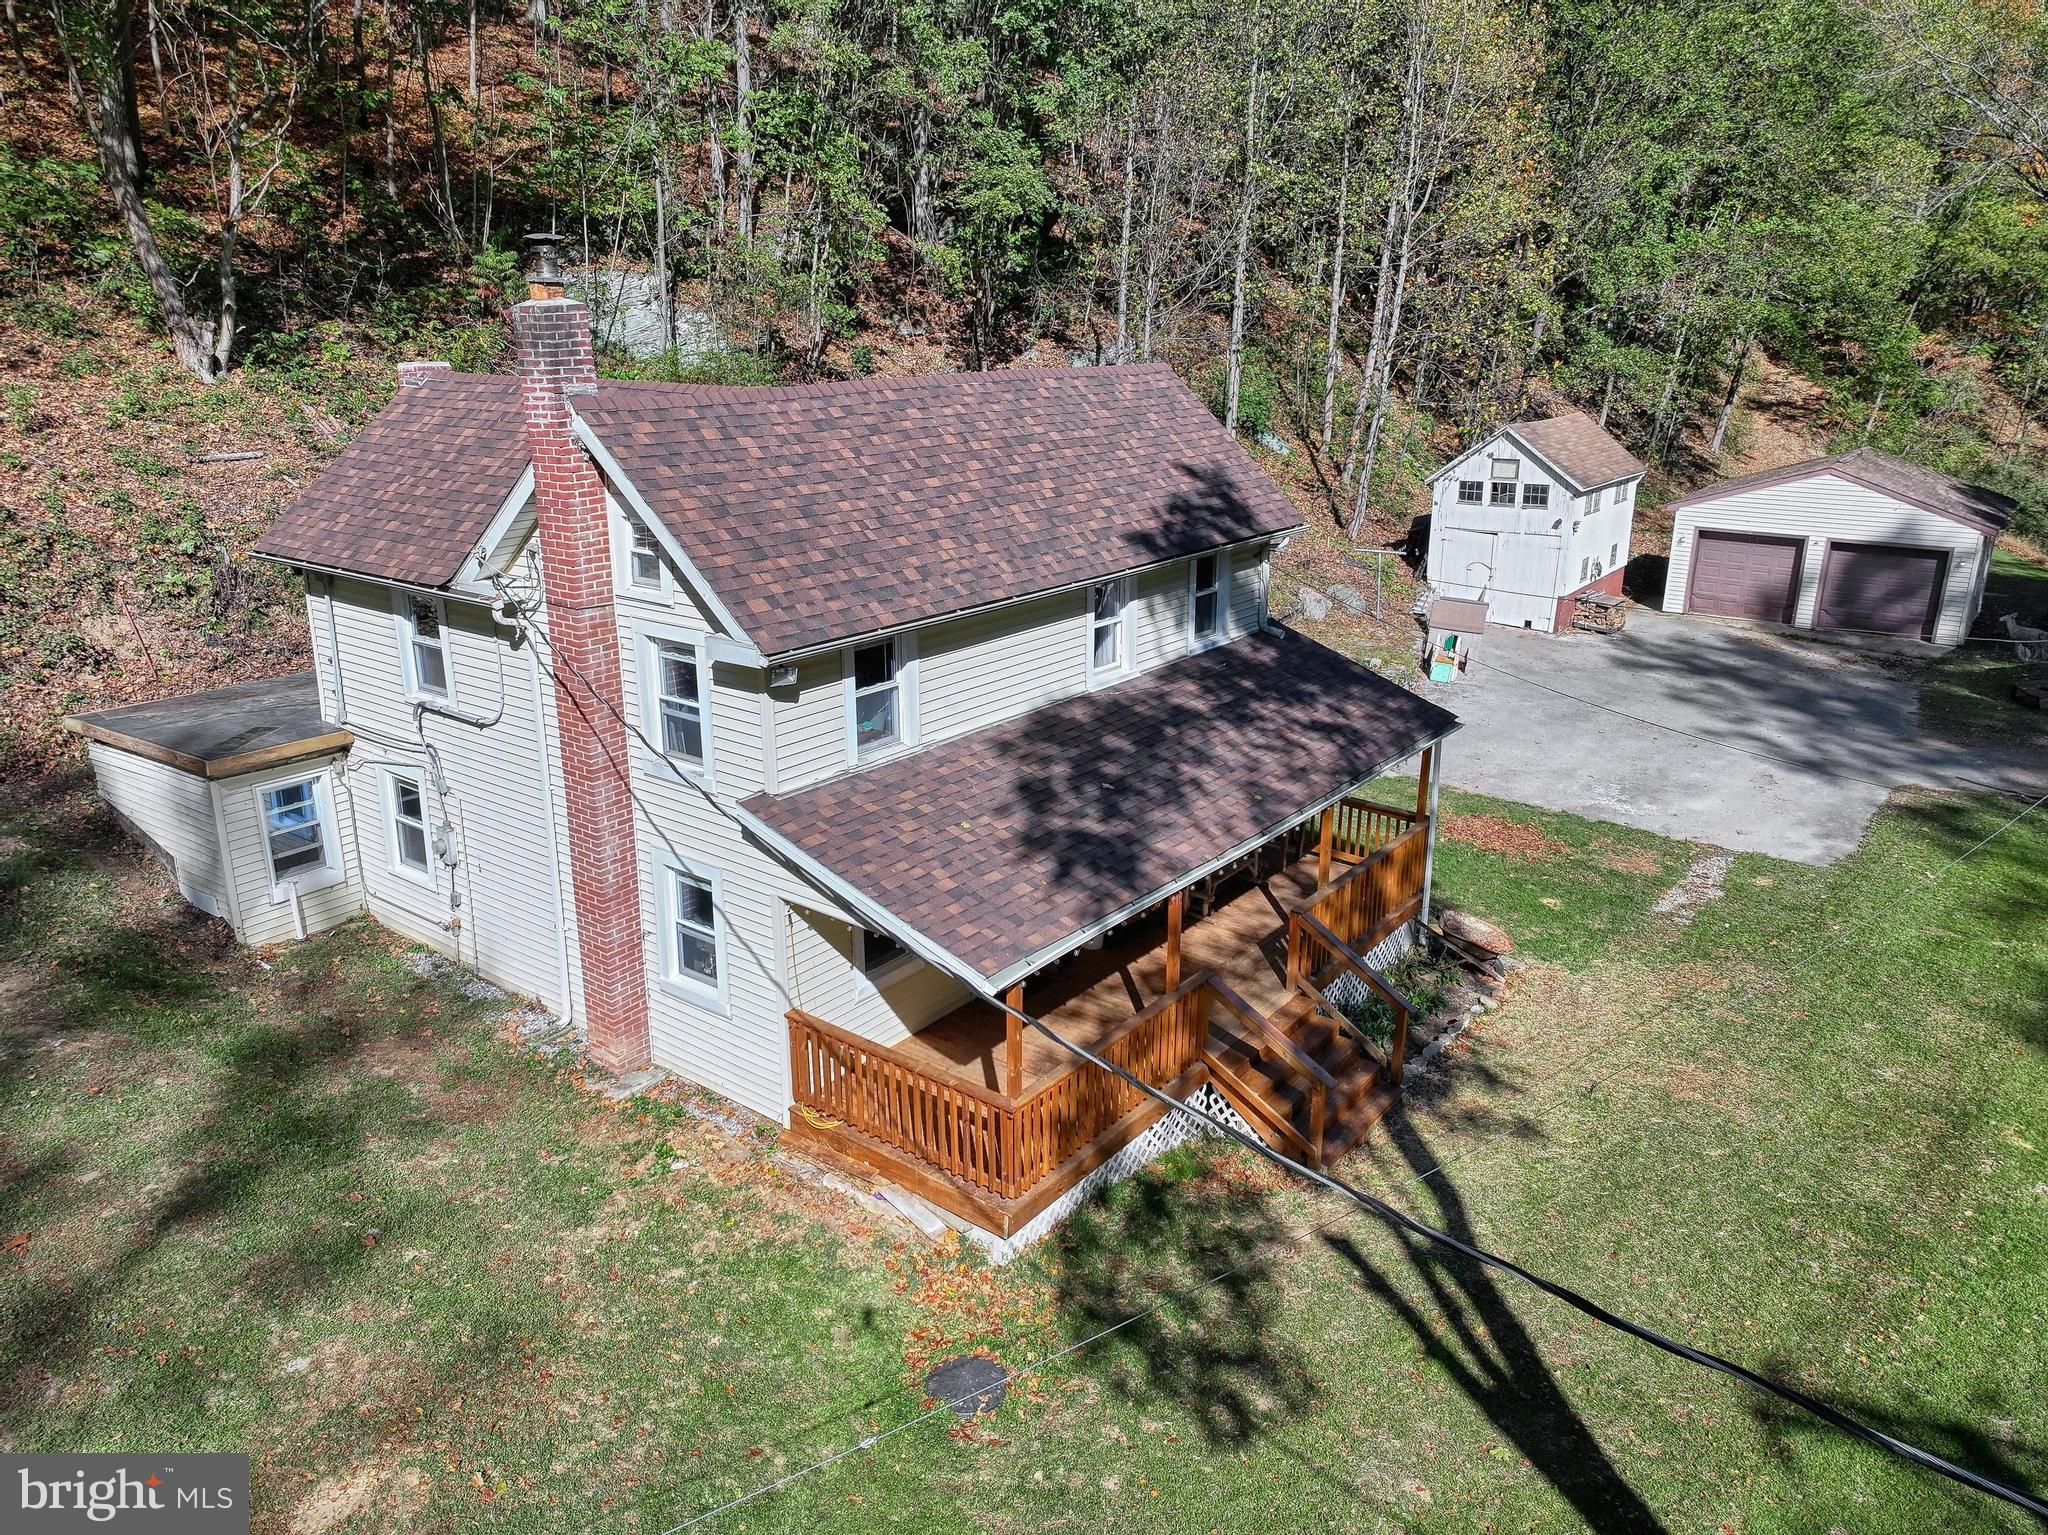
(1474, 1336)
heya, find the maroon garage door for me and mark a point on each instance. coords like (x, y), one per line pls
(1886, 588)
(1745, 575)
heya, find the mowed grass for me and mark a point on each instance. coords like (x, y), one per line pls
(321, 1212)
(1967, 694)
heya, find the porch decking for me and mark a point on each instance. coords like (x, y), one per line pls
(1242, 941)
(994, 1121)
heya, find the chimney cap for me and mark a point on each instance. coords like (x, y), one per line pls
(545, 279)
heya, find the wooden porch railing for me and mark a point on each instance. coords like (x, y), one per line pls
(1330, 932)
(1002, 1146)
(1361, 827)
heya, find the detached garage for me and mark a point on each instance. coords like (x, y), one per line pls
(1860, 541)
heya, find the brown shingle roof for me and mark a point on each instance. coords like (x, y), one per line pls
(409, 497)
(1001, 844)
(1579, 447)
(824, 511)
(1946, 496)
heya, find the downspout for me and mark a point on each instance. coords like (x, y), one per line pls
(334, 650)
(563, 968)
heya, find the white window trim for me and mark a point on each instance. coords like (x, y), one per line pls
(402, 601)
(906, 699)
(673, 978)
(1198, 643)
(330, 870)
(647, 637)
(866, 985)
(663, 591)
(1127, 638)
(387, 801)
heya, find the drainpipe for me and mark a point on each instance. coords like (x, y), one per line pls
(556, 874)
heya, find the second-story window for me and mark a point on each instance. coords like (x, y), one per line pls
(1471, 492)
(878, 722)
(1205, 606)
(1535, 495)
(643, 556)
(1108, 647)
(679, 698)
(426, 647)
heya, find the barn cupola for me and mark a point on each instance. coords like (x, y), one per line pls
(556, 367)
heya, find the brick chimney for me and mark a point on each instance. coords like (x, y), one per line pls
(556, 365)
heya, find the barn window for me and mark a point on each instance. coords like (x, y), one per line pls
(1503, 492)
(1586, 568)
(1535, 495)
(1613, 555)
(1471, 492)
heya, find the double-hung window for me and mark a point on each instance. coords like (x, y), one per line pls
(643, 557)
(1205, 601)
(679, 702)
(880, 712)
(1109, 648)
(292, 829)
(1471, 492)
(405, 816)
(1535, 495)
(423, 636)
(693, 941)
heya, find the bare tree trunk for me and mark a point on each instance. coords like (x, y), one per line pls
(1123, 254)
(1333, 349)
(714, 143)
(1606, 399)
(661, 272)
(121, 163)
(743, 148)
(475, 96)
(1728, 400)
(921, 215)
(1248, 192)
(449, 220)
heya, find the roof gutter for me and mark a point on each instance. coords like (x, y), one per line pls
(881, 918)
(482, 599)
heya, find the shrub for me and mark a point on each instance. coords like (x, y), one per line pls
(1257, 390)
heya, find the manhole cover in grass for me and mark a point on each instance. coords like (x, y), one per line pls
(969, 1385)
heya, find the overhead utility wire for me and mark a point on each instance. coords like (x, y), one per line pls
(1400, 1220)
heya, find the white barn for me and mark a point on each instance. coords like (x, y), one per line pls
(1859, 542)
(1532, 518)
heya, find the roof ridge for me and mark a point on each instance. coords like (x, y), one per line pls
(870, 383)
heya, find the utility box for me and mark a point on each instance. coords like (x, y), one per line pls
(1455, 624)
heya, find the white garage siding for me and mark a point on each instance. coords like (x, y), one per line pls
(172, 811)
(1826, 508)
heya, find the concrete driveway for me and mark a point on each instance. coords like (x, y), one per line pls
(1776, 744)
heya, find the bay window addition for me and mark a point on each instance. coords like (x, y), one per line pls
(422, 622)
(879, 715)
(1205, 601)
(679, 702)
(1108, 643)
(294, 830)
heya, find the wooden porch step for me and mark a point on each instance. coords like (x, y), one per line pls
(1277, 1097)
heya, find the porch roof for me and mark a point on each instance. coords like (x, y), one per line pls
(1005, 848)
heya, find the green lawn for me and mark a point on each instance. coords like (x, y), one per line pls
(319, 1211)
(1967, 695)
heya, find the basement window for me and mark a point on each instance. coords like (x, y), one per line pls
(423, 644)
(1471, 492)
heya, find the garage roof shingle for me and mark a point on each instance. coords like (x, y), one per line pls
(997, 846)
(1943, 494)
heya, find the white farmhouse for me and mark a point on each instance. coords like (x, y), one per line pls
(1532, 518)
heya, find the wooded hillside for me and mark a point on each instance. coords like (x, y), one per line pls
(1361, 229)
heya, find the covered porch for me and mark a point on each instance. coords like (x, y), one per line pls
(1231, 970)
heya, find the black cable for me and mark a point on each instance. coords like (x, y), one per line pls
(1399, 1220)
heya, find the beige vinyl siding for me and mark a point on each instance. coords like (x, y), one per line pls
(500, 895)
(1247, 591)
(1159, 600)
(263, 919)
(1827, 508)
(978, 671)
(824, 981)
(172, 811)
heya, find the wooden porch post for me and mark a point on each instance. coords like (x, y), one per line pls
(1422, 775)
(1329, 837)
(1013, 1045)
(1176, 906)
